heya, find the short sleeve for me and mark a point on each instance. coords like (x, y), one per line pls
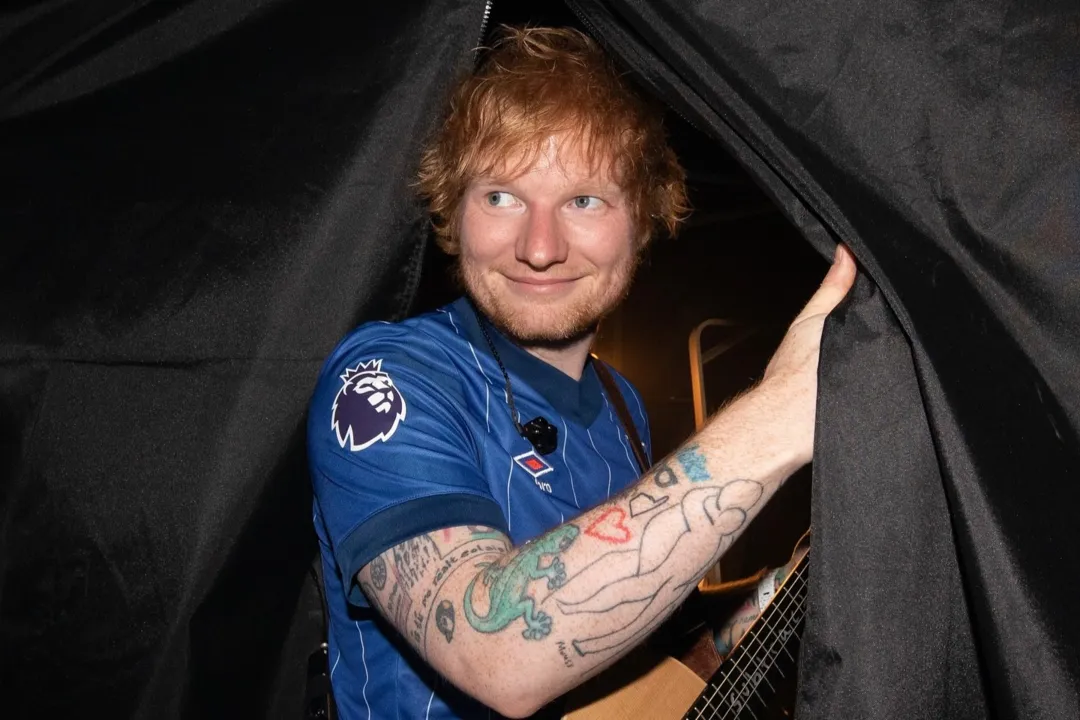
(391, 451)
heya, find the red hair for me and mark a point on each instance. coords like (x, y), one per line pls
(540, 82)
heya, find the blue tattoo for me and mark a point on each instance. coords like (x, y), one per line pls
(693, 462)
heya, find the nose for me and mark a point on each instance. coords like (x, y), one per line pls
(542, 242)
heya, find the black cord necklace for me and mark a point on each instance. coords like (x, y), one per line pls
(543, 435)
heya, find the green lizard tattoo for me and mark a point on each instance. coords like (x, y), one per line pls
(508, 586)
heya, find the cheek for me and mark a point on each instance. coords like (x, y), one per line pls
(608, 244)
(483, 236)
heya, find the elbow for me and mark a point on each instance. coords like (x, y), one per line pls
(514, 705)
(513, 693)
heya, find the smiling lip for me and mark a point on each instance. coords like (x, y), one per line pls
(543, 282)
(539, 287)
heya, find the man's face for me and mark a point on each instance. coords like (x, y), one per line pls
(547, 254)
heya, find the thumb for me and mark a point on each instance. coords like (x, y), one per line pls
(834, 287)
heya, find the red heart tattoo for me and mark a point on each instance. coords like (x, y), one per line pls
(609, 527)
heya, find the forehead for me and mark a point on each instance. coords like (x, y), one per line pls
(575, 157)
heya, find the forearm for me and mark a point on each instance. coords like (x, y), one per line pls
(574, 600)
(637, 557)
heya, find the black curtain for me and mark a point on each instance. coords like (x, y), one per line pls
(199, 198)
(940, 141)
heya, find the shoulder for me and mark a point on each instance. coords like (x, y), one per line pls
(381, 374)
(426, 346)
(425, 340)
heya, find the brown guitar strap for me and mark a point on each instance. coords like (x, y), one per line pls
(616, 397)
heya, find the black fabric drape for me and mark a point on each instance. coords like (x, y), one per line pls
(199, 199)
(939, 141)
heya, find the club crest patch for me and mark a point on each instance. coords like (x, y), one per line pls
(533, 464)
(368, 407)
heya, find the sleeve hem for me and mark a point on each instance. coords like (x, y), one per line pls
(404, 521)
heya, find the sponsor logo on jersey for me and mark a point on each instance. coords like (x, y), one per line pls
(536, 466)
(533, 463)
(368, 407)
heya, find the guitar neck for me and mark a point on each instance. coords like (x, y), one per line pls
(765, 657)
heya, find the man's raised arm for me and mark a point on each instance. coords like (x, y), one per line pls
(517, 627)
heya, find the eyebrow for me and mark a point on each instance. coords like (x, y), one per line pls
(601, 188)
(592, 185)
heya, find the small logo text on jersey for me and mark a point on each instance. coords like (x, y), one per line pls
(536, 466)
(368, 407)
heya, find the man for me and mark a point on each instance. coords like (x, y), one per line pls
(476, 559)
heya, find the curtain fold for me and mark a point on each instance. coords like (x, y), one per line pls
(200, 198)
(939, 141)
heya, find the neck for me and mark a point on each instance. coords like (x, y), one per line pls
(570, 359)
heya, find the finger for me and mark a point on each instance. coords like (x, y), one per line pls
(834, 287)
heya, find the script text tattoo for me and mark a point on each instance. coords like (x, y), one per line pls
(412, 558)
(473, 554)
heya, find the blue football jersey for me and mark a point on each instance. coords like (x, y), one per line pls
(409, 432)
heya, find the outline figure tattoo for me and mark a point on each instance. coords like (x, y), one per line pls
(652, 578)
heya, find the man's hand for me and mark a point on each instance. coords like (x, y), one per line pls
(791, 377)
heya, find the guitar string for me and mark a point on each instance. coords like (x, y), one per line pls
(734, 672)
(786, 599)
(782, 640)
(790, 622)
(778, 640)
(751, 689)
(771, 652)
(734, 663)
(733, 666)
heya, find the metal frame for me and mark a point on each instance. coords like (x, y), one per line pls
(698, 360)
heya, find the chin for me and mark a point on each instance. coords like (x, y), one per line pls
(552, 322)
(541, 324)
(549, 337)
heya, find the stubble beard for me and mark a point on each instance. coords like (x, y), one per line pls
(553, 325)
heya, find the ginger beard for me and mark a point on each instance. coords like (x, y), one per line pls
(553, 322)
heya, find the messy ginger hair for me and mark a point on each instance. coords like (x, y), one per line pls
(536, 83)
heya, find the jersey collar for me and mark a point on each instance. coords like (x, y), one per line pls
(579, 401)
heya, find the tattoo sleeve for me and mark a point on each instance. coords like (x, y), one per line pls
(577, 598)
(405, 583)
(609, 578)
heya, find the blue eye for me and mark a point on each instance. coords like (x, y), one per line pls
(499, 199)
(584, 202)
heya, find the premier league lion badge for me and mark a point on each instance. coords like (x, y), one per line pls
(368, 407)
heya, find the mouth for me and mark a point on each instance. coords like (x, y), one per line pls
(541, 282)
(539, 286)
